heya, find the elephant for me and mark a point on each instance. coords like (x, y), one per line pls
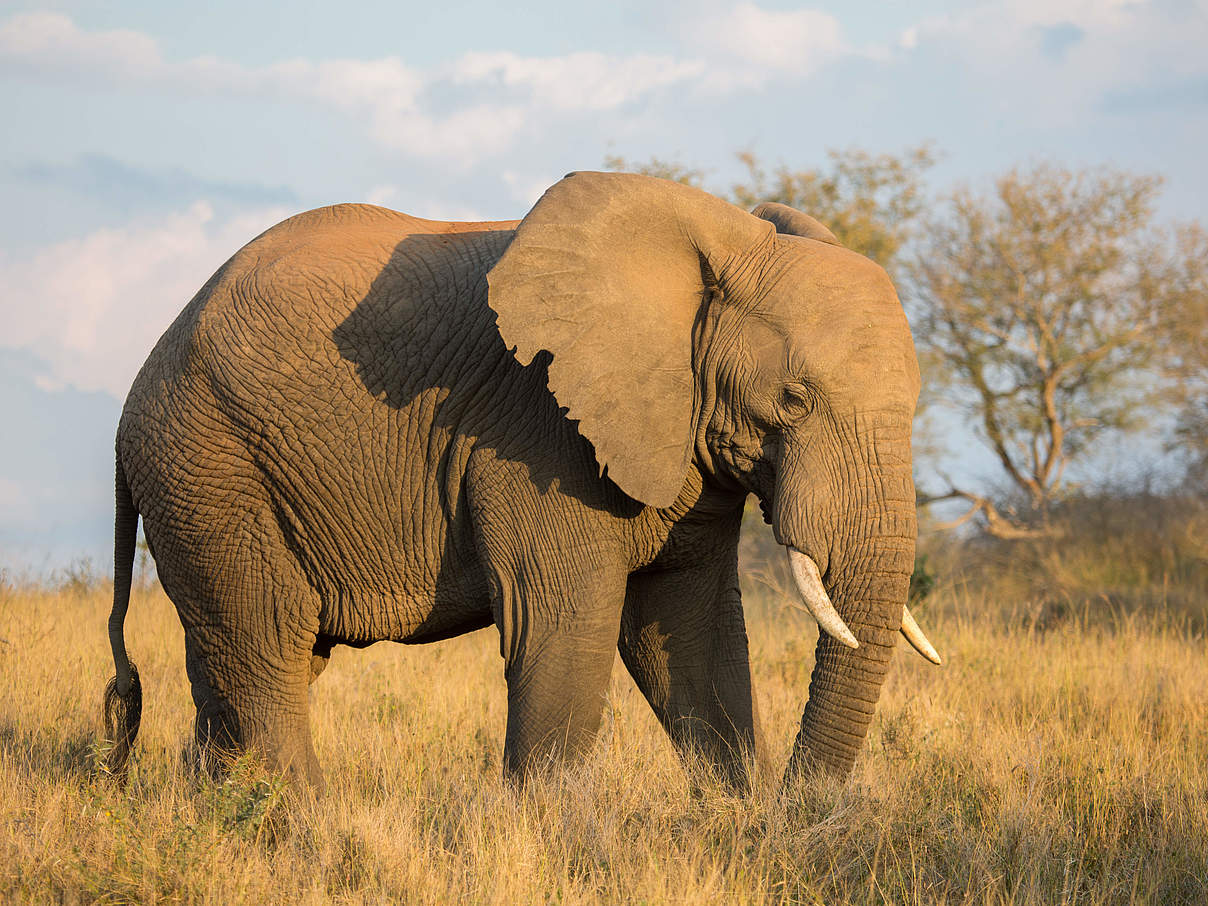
(367, 426)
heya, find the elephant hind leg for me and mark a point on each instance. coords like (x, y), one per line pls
(258, 709)
(250, 621)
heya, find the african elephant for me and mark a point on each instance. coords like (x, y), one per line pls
(368, 426)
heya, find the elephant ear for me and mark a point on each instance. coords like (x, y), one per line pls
(608, 273)
(792, 222)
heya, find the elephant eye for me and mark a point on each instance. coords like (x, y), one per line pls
(797, 400)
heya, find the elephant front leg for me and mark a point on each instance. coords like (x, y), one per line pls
(558, 633)
(684, 641)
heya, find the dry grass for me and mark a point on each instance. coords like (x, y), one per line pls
(1047, 762)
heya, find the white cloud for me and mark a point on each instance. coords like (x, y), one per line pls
(1055, 59)
(388, 97)
(466, 135)
(748, 46)
(1084, 13)
(379, 85)
(577, 81)
(92, 307)
(789, 41)
(381, 195)
(525, 188)
(498, 94)
(52, 42)
(1131, 27)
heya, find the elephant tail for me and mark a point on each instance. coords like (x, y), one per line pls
(123, 704)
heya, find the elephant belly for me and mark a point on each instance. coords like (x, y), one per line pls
(354, 617)
(372, 504)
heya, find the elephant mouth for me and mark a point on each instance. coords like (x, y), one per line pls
(818, 603)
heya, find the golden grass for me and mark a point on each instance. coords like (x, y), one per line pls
(1064, 762)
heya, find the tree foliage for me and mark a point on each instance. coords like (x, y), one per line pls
(1037, 310)
(657, 166)
(871, 202)
(1048, 312)
(1186, 340)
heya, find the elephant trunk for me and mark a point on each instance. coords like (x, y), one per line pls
(846, 681)
(852, 539)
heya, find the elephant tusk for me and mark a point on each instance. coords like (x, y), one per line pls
(809, 584)
(915, 637)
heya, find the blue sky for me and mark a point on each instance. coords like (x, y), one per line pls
(146, 141)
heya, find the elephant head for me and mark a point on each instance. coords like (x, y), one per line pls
(687, 333)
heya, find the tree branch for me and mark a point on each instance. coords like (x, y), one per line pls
(997, 524)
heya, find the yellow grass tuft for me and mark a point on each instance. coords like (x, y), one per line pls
(1063, 763)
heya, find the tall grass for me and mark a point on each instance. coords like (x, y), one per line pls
(1112, 556)
(1058, 762)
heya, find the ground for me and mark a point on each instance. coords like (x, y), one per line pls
(1054, 758)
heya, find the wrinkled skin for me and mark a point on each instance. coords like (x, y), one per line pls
(368, 426)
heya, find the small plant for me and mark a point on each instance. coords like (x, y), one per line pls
(249, 801)
(922, 581)
(97, 758)
(80, 578)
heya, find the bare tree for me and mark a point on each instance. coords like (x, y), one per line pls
(1038, 312)
(1187, 325)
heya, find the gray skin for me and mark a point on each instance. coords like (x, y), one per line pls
(368, 426)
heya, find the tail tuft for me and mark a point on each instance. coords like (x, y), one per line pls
(122, 715)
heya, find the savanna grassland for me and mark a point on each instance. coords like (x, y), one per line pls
(1059, 756)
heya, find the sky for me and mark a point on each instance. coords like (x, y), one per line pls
(145, 142)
